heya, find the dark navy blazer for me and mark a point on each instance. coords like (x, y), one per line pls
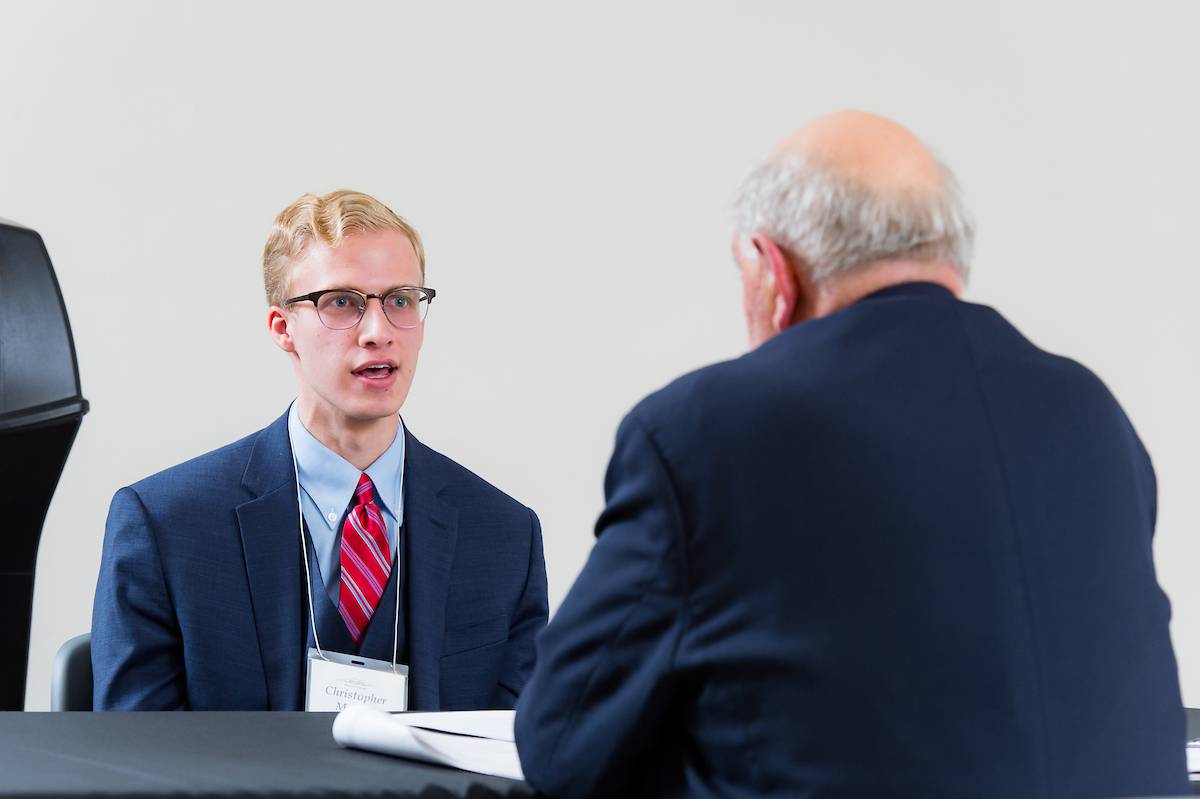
(897, 551)
(201, 604)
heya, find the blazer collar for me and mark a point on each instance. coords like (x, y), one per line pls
(270, 531)
(914, 289)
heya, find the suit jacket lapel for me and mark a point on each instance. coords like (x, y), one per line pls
(431, 529)
(269, 527)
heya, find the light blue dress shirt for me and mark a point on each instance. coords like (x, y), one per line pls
(327, 484)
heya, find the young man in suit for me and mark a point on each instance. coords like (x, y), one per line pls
(211, 592)
(895, 550)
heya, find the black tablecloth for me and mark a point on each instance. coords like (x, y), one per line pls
(223, 754)
(212, 754)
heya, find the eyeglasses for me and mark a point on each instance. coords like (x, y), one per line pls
(341, 309)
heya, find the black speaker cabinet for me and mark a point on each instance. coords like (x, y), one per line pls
(40, 410)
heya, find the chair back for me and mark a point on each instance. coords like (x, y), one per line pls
(71, 682)
(40, 411)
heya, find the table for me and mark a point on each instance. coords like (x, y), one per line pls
(224, 754)
(1193, 732)
(214, 754)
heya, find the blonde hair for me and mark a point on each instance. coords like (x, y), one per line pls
(328, 218)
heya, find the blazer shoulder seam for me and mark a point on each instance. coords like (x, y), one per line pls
(676, 506)
(152, 535)
(569, 721)
(1002, 466)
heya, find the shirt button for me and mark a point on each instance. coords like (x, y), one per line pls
(332, 517)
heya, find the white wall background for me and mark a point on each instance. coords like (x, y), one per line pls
(570, 166)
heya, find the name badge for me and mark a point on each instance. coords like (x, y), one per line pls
(337, 681)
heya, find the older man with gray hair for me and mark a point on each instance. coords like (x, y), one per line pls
(894, 550)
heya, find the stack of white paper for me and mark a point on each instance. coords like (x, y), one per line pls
(473, 740)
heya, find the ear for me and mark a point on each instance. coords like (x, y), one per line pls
(788, 288)
(277, 326)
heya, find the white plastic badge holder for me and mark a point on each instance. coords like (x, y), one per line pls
(337, 681)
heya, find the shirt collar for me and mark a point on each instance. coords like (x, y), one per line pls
(330, 480)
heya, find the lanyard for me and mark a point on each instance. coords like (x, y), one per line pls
(312, 615)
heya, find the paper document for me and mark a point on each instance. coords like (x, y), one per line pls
(497, 724)
(474, 740)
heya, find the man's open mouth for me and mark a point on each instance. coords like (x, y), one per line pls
(377, 370)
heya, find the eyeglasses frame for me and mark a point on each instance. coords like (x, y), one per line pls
(313, 296)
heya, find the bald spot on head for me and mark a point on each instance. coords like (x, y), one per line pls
(868, 149)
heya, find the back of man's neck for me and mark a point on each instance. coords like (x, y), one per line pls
(843, 292)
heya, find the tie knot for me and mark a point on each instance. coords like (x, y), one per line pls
(365, 492)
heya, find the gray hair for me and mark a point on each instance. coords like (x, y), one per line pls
(837, 225)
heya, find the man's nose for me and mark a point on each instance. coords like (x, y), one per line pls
(374, 326)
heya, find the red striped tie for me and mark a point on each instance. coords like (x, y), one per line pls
(366, 560)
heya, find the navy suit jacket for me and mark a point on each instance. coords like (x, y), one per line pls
(201, 604)
(897, 551)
